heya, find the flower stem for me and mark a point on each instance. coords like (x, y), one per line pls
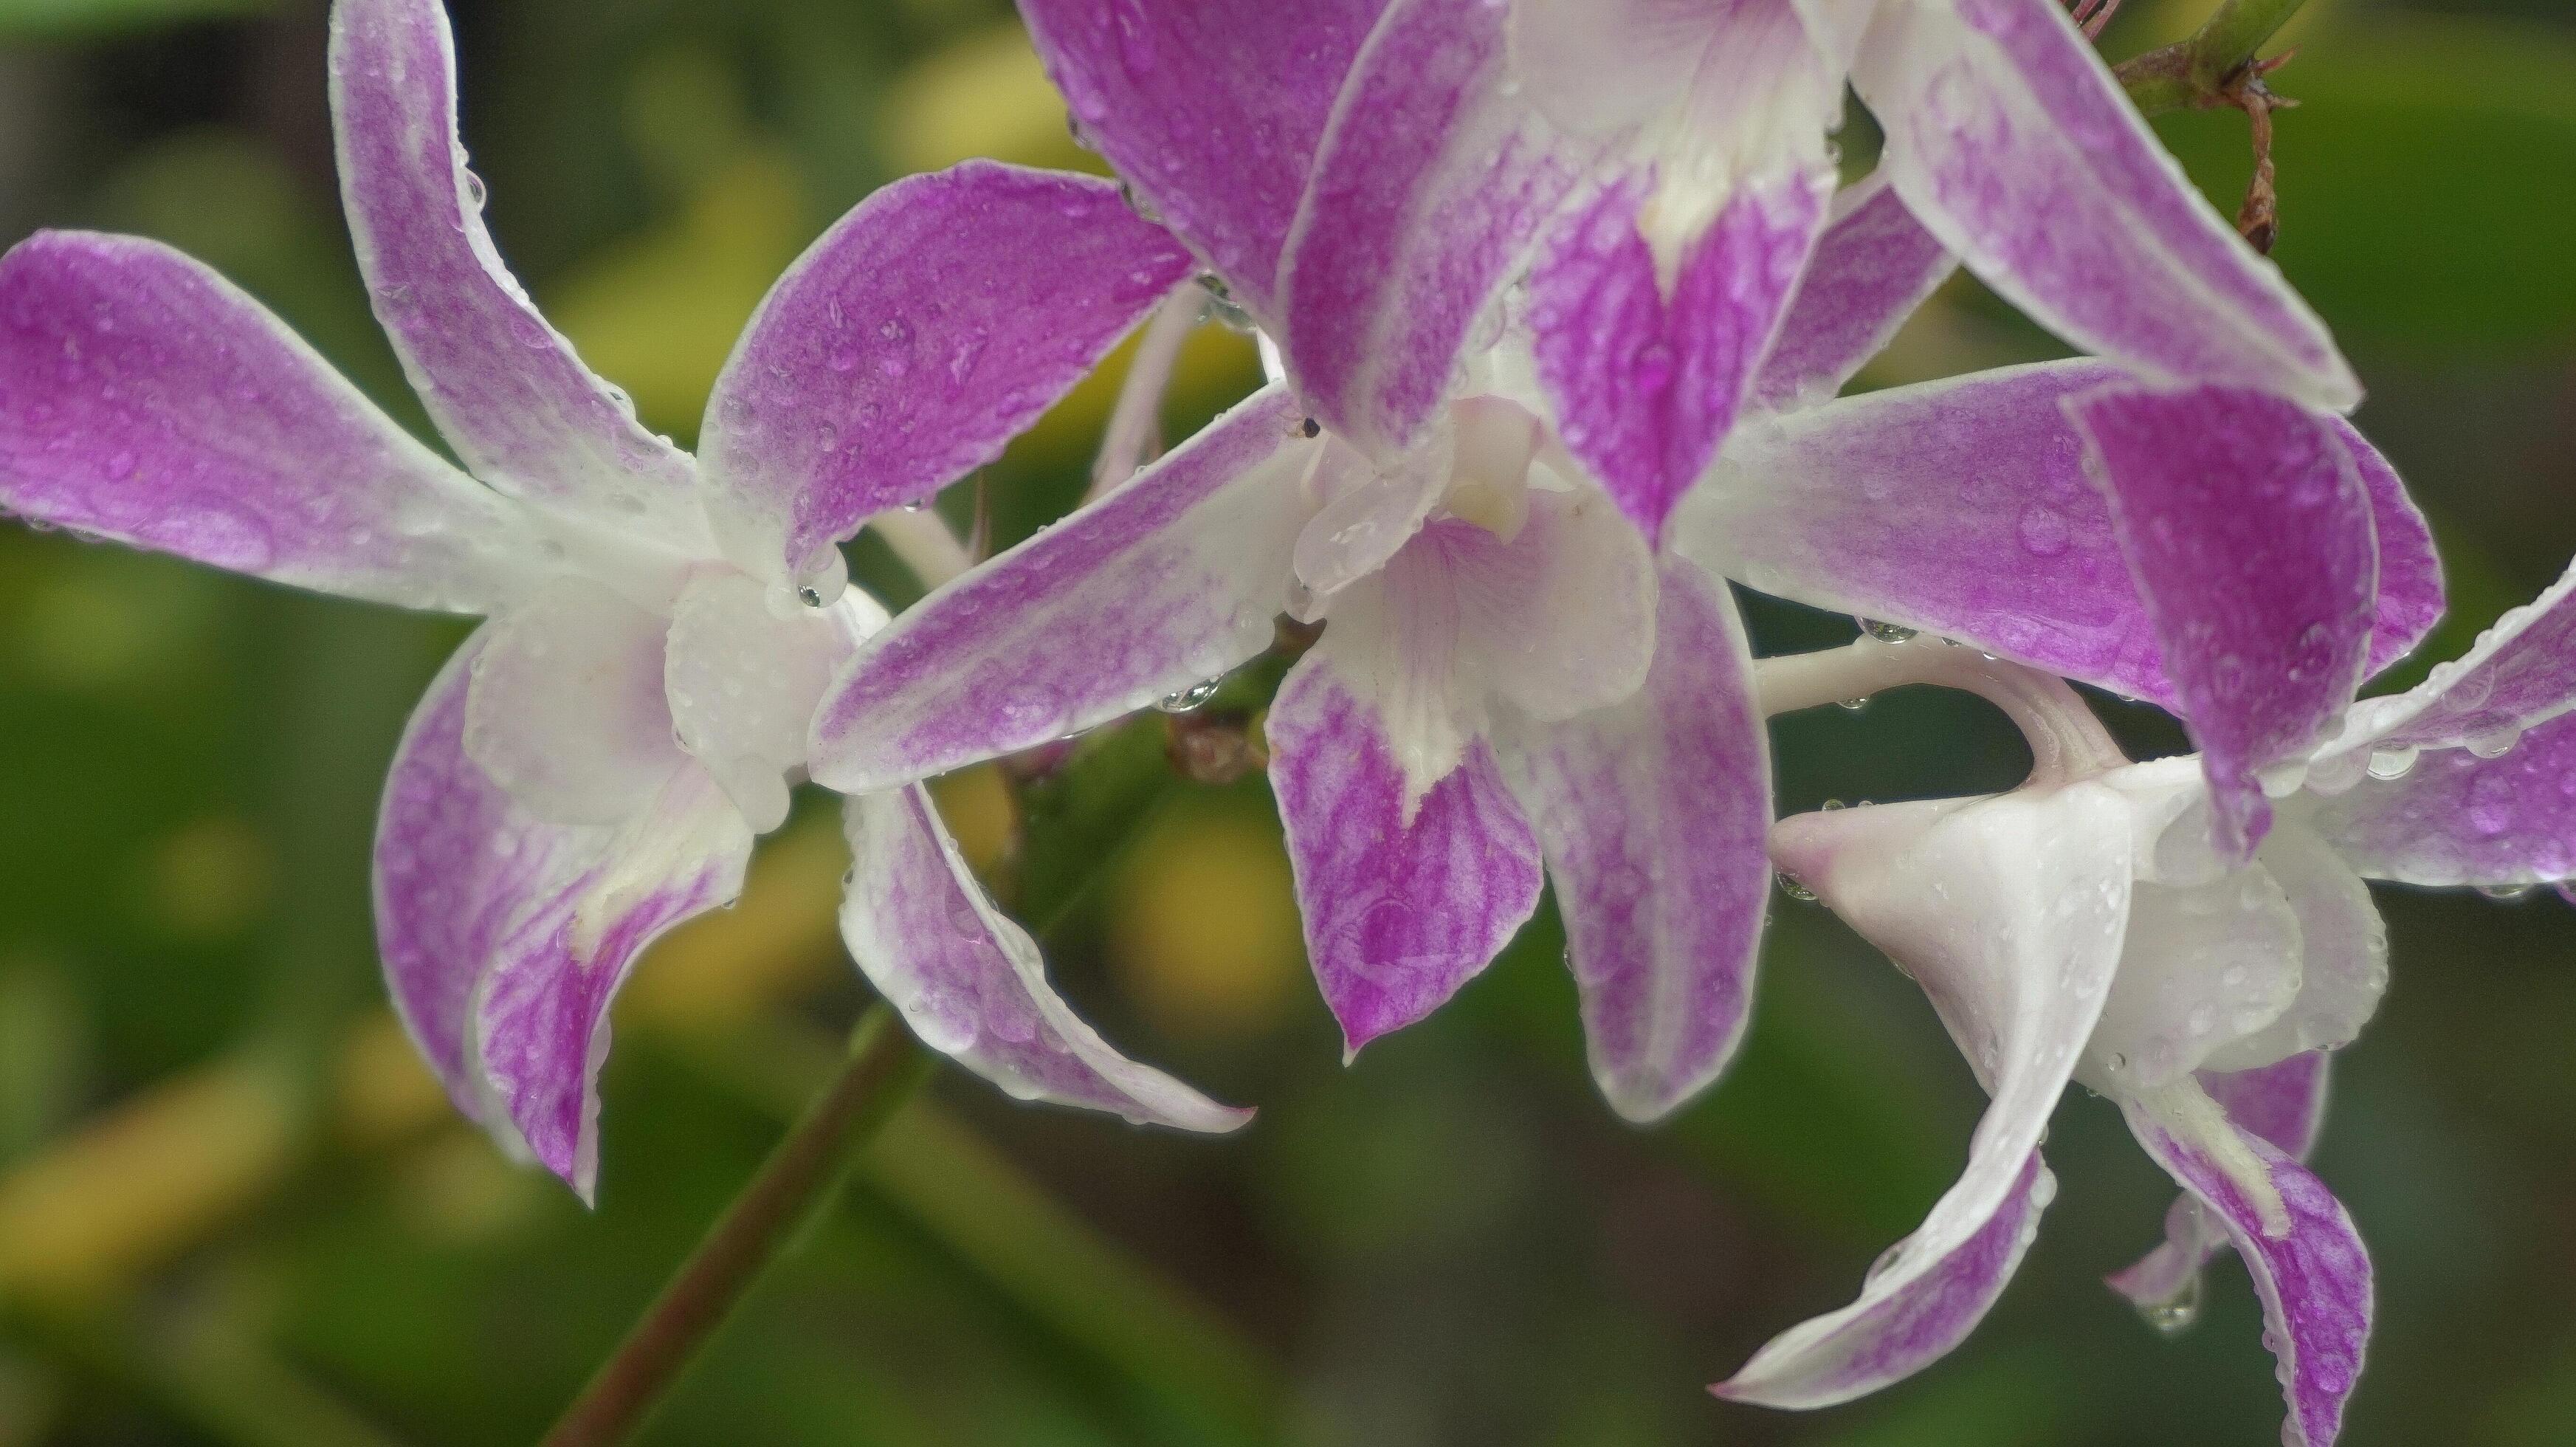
(882, 1070)
(2200, 70)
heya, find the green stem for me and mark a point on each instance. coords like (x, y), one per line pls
(882, 1070)
(2196, 71)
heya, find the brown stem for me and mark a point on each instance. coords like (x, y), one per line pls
(884, 1067)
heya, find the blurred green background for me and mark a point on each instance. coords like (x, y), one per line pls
(233, 1210)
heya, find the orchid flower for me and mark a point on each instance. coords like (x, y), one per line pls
(1656, 171)
(2087, 927)
(1508, 689)
(592, 766)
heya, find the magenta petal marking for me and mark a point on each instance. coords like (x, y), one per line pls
(1652, 814)
(919, 335)
(1172, 579)
(1874, 1343)
(2014, 144)
(1402, 904)
(970, 982)
(2308, 1263)
(1647, 385)
(2249, 531)
(1431, 182)
(146, 399)
(1873, 265)
(503, 937)
(2456, 818)
(1211, 109)
(2284, 1104)
(505, 387)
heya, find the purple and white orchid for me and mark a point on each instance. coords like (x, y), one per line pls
(592, 766)
(1507, 687)
(2093, 926)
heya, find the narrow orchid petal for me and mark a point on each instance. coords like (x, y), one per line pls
(1211, 109)
(2520, 673)
(1432, 180)
(1958, 507)
(567, 710)
(2284, 1104)
(2309, 1266)
(146, 399)
(2013, 143)
(504, 936)
(2249, 530)
(1962, 507)
(1873, 265)
(1170, 580)
(1647, 379)
(505, 387)
(2343, 954)
(2010, 913)
(1888, 1335)
(2455, 818)
(970, 982)
(1407, 892)
(915, 338)
(1652, 815)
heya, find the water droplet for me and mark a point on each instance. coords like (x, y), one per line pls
(2495, 745)
(2175, 1315)
(1830, 805)
(1887, 632)
(2504, 893)
(2044, 531)
(1191, 698)
(2392, 763)
(1790, 886)
(1854, 704)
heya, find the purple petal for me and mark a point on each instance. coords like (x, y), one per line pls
(2284, 1104)
(2012, 142)
(2520, 673)
(2456, 818)
(1962, 507)
(1652, 814)
(1430, 184)
(146, 399)
(2411, 597)
(1873, 265)
(1211, 109)
(2249, 530)
(1172, 579)
(916, 337)
(1886, 1337)
(505, 387)
(1646, 384)
(2308, 1264)
(970, 982)
(501, 929)
(1958, 507)
(1406, 896)
(2010, 912)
